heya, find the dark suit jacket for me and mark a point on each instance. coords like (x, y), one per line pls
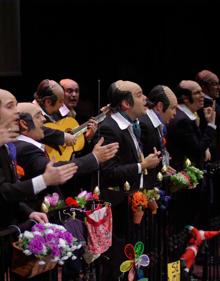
(150, 138)
(123, 167)
(215, 144)
(12, 192)
(184, 140)
(34, 161)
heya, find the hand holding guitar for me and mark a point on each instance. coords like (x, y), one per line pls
(69, 139)
(92, 126)
(105, 152)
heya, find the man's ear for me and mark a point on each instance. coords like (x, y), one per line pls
(47, 102)
(159, 106)
(125, 105)
(23, 125)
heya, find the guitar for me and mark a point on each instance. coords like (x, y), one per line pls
(70, 125)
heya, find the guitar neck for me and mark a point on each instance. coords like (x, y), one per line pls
(83, 128)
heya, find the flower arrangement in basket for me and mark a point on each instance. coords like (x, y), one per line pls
(46, 245)
(188, 178)
(138, 201)
(48, 239)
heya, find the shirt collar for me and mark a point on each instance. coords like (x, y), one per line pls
(122, 122)
(154, 118)
(32, 141)
(64, 110)
(208, 97)
(187, 111)
(43, 112)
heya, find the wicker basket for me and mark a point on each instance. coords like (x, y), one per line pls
(28, 266)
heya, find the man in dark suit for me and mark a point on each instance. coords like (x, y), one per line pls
(128, 103)
(209, 83)
(49, 96)
(13, 191)
(185, 140)
(184, 137)
(162, 105)
(30, 152)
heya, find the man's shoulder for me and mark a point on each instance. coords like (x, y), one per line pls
(22, 145)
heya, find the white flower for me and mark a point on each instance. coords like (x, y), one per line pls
(44, 251)
(64, 258)
(60, 227)
(27, 252)
(47, 231)
(62, 243)
(69, 254)
(37, 233)
(28, 234)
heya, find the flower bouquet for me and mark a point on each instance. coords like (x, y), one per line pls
(52, 202)
(81, 199)
(40, 249)
(138, 201)
(188, 178)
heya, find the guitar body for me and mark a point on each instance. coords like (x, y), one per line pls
(66, 125)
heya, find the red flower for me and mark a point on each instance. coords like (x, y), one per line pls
(71, 202)
(95, 196)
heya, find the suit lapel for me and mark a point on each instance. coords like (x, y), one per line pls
(131, 144)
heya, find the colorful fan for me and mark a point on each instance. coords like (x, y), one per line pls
(136, 260)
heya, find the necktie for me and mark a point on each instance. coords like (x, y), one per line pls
(197, 119)
(136, 129)
(12, 155)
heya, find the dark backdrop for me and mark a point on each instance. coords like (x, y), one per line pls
(149, 42)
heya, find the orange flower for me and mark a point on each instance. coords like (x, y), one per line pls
(138, 200)
(20, 171)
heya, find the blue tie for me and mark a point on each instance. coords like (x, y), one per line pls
(136, 130)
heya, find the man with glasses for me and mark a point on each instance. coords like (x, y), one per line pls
(185, 140)
(209, 83)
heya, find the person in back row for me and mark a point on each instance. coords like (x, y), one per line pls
(49, 96)
(162, 104)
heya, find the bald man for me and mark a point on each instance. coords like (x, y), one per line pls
(162, 104)
(128, 103)
(209, 83)
(13, 191)
(30, 152)
(185, 140)
(184, 137)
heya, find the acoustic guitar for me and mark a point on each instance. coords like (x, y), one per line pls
(70, 125)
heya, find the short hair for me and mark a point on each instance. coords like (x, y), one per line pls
(116, 96)
(28, 119)
(44, 91)
(182, 93)
(157, 94)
